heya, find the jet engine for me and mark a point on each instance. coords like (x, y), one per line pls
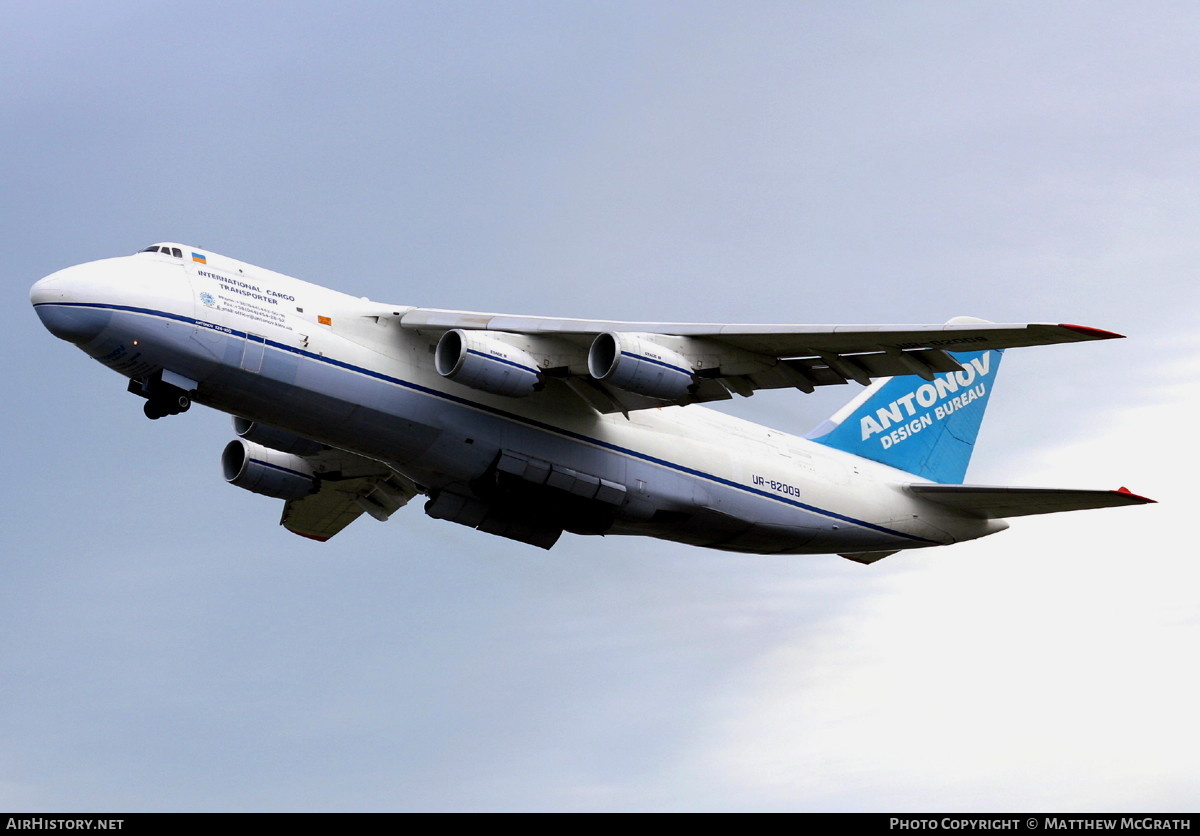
(269, 472)
(275, 438)
(638, 363)
(486, 362)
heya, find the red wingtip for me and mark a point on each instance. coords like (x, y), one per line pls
(309, 536)
(1128, 492)
(1093, 333)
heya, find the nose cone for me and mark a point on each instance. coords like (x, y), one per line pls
(59, 300)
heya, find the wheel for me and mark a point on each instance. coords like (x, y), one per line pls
(153, 410)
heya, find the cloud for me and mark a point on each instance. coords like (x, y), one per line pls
(1047, 667)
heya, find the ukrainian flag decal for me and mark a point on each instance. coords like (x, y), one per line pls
(199, 259)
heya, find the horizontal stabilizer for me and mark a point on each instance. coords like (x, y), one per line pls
(998, 503)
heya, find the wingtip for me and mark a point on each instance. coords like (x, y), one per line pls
(317, 537)
(1134, 496)
(1093, 333)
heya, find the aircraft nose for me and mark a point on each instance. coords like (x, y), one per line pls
(58, 301)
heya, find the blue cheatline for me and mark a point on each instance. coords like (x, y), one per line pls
(926, 428)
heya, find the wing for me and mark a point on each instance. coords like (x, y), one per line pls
(347, 486)
(619, 366)
(324, 488)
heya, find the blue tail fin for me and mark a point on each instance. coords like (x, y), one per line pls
(927, 428)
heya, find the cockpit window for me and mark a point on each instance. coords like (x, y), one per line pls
(175, 251)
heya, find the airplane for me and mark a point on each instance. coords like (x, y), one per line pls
(525, 427)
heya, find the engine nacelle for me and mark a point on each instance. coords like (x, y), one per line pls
(269, 472)
(637, 363)
(486, 362)
(275, 438)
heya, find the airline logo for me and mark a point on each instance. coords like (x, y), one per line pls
(929, 403)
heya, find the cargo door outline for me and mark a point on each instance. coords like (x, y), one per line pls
(252, 353)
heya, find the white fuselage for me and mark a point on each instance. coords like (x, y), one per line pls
(342, 371)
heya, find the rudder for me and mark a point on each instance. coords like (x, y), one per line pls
(927, 428)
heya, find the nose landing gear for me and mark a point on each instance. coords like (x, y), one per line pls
(162, 398)
(158, 408)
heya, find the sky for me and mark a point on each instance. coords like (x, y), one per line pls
(166, 646)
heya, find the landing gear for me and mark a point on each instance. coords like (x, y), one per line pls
(162, 399)
(160, 407)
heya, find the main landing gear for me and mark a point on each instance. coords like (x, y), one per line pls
(162, 399)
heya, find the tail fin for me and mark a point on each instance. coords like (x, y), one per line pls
(926, 428)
